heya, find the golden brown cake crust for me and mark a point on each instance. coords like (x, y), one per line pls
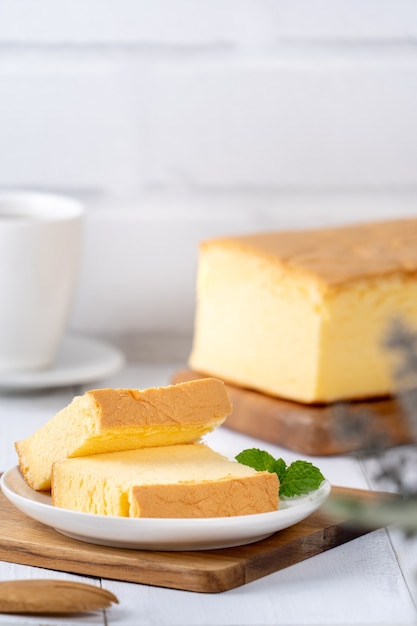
(336, 255)
(103, 420)
(183, 481)
(161, 405)
(247, 495)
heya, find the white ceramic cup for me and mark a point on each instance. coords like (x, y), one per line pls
(40, 249)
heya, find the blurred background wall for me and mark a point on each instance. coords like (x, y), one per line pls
(177, 120)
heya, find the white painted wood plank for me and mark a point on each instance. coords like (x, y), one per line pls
(358, 583)
(405, 547)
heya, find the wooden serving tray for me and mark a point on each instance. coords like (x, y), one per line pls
(27, 542)
(313, 429)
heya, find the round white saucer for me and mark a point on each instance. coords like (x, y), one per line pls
(152, 533)
(80, 360)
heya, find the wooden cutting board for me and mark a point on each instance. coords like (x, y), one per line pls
(316, 430)
(27, 542)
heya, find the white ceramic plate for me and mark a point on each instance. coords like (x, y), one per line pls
(159, 534)
(80, 360)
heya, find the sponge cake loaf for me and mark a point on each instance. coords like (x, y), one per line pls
(303, 314)
(180, 481)
(105, 420)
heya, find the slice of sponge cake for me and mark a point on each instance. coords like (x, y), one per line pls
(303, 314)
(188, 480)
(106, 420)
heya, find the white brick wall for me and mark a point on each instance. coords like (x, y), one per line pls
(315, 121)
(176, 120)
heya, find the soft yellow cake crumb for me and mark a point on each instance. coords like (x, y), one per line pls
(303, 314)
(188, 480)
(106, 420)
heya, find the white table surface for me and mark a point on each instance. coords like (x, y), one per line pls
(371, 580)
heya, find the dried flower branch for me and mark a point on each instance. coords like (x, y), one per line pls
(397, 469)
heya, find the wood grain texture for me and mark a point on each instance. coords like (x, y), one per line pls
(25, 541)
(313, 429)
(52, 596)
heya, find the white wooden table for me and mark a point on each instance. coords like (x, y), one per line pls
(371, 580)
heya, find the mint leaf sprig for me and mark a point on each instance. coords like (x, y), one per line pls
(296, 479)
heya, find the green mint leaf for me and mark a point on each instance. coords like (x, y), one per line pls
(280, 468)
(300, 478)
(259, 460)
(297, 479)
